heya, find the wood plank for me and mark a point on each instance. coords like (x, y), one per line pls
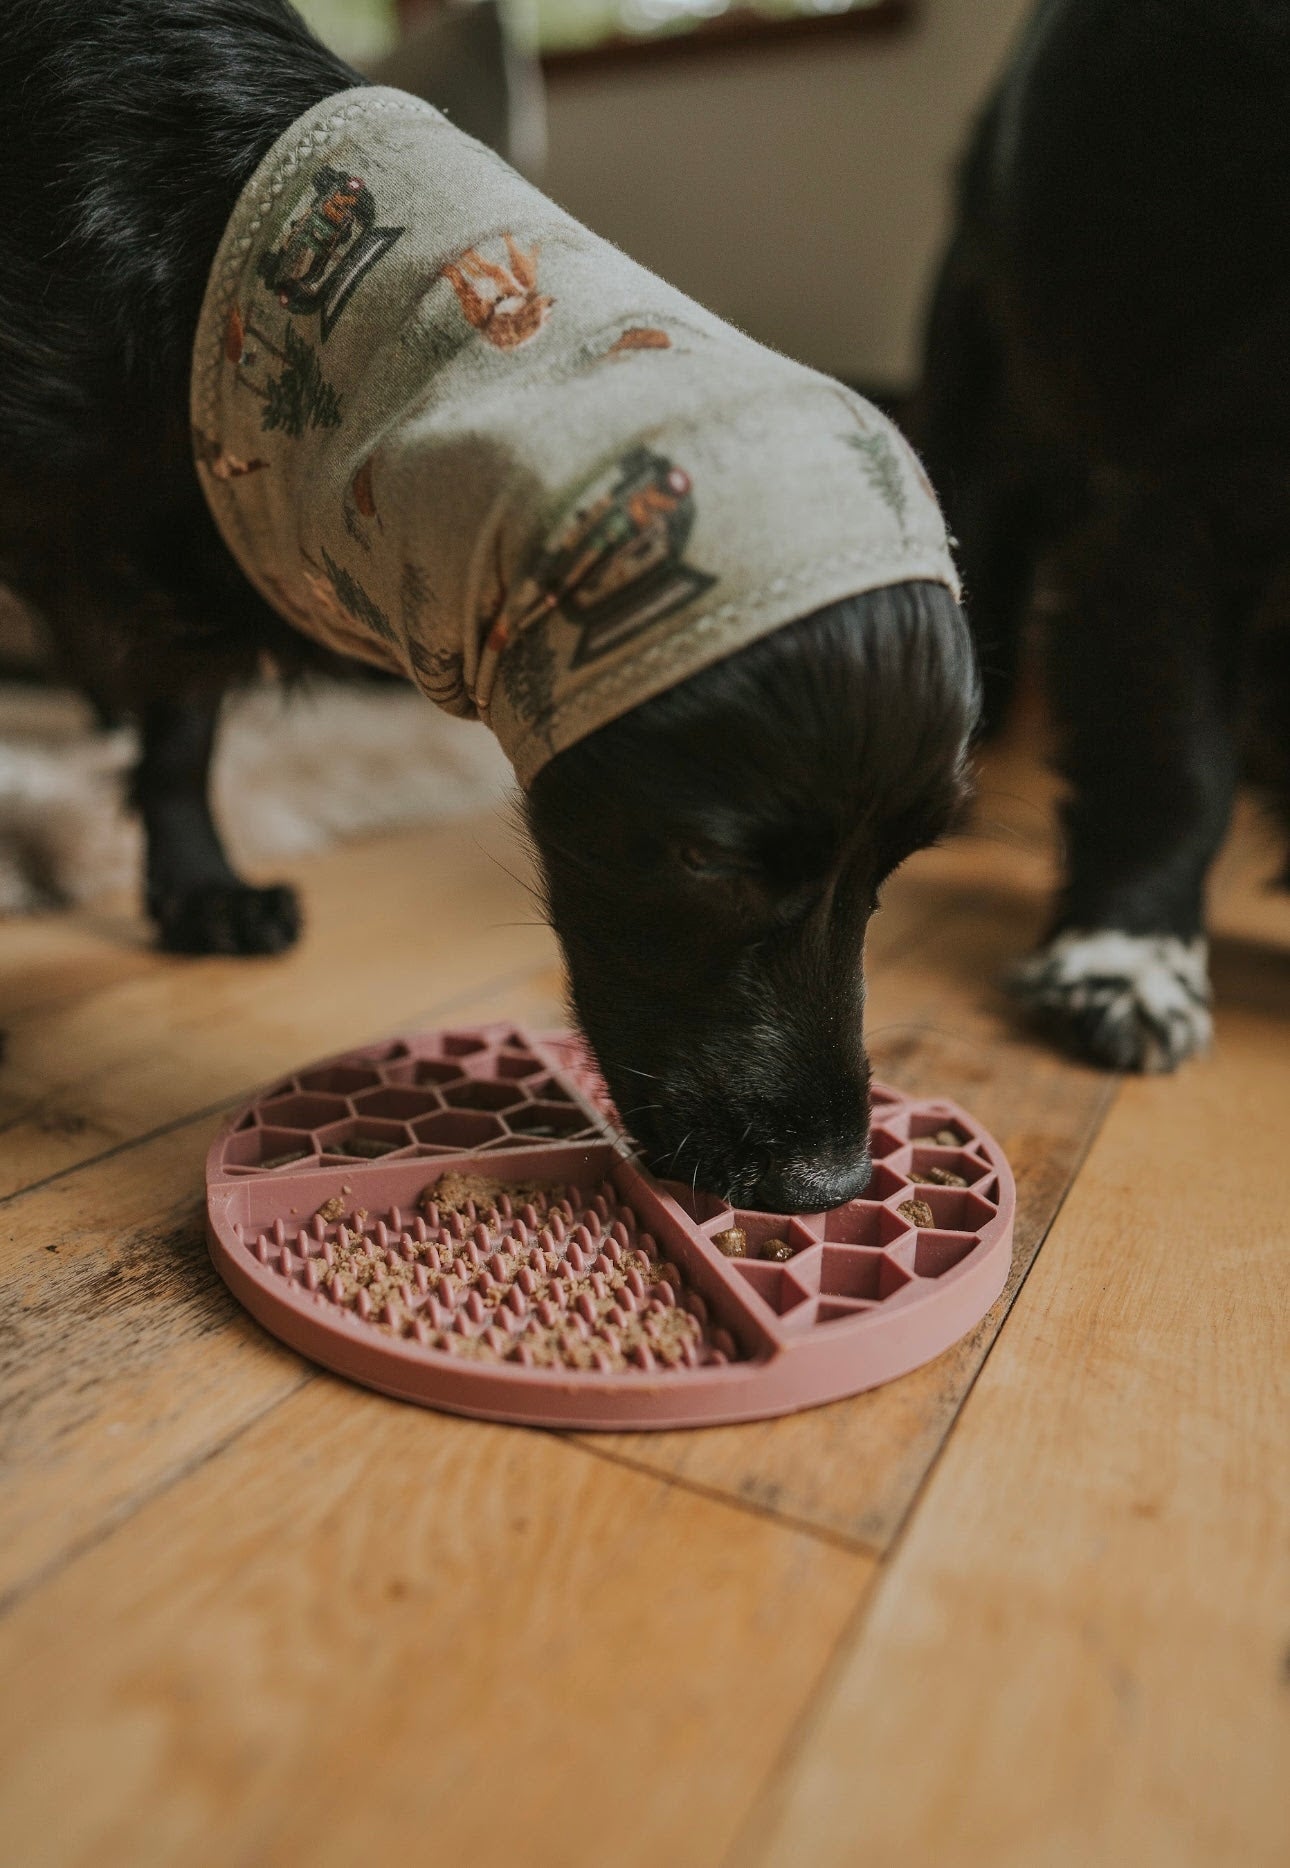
(123, 1359)
(396, 926)
(369, 1633)
(937, 1027)
(1078, 1652)
(123, 1356)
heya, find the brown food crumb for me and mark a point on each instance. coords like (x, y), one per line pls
(917, 1212)
(778, 1249)
(451, 1192)
(942, 1177)
(331, 1209)
(948, 1138)
(733, 1242)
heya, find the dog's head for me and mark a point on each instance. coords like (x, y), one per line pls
(711, 862)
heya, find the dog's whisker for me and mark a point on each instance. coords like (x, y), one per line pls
(531, 889)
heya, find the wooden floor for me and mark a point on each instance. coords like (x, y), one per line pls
(1028, 1607)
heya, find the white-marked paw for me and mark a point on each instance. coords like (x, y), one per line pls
(1132, 1001)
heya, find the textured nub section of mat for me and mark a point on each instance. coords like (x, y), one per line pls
(454, 1217)
(540, 1275)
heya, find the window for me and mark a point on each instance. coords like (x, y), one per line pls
(571, 31)
(566, 26)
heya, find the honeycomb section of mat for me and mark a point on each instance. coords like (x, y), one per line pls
(931, 1196)
(469, 1090)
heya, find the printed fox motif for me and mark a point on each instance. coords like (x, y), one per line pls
(501, 302)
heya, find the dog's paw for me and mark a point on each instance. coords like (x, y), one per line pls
(1130, 1001)
(229, 917)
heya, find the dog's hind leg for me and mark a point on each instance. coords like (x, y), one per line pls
(978, 464)
(199, 903)
(1141, 686)
(1267, 690)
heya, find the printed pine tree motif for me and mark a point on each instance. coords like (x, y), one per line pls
(528, 676)
(300, 396)
(440, 673)
(441, 676)
(351, 595)
(882, 470)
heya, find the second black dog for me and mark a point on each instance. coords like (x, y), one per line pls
(1106, 396)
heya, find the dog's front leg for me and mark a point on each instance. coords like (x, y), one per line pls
(1136, 664)
(198, 901)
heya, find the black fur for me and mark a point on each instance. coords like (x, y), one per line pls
(130, 129)
(1106, 400)
(711, 861)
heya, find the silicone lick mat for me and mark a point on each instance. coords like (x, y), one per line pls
(454, 1218)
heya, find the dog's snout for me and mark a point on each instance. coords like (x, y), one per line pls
(812, 1184)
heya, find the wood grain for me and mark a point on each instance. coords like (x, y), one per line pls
(123, 1356)
(1078, 1653)
(396, 927)
(366, 1632)
(123, 1360)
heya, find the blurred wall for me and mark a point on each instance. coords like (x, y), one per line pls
(802, 193)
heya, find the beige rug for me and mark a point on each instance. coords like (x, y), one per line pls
(293, 774)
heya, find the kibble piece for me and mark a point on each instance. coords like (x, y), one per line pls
(367, 1147)
(948, 1138)
(778, 1249)
(733, 1242)
(277, 1161)
(917, 1212)
(942, 1177)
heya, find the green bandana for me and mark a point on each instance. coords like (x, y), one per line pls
(444, 428)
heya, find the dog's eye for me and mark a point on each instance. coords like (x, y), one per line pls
(710, 861)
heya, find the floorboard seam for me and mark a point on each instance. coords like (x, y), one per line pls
(1109, 1099)
(120, 1148)
(853, 1546)
(741, 1853)
(129, 1508)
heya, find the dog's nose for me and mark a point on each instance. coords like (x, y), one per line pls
(813, 1184)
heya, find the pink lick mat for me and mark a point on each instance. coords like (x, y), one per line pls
(454, 1218)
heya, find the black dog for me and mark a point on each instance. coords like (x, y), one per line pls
(711, 861)
(1107, 394)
